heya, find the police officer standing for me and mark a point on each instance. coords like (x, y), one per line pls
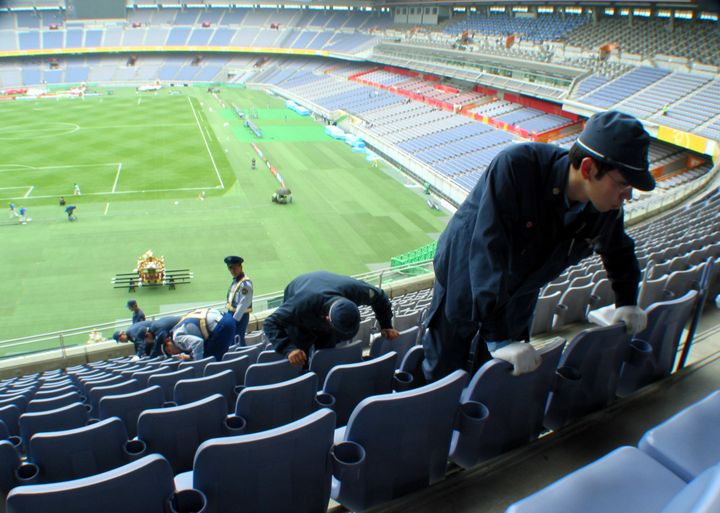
(319, 310)
(137, 314)
(239, 297)
(201, 333)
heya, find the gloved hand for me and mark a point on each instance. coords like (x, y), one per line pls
(634, 317)
(520, 355)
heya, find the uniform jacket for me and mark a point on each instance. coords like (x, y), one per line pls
(509, 238)
(300, 321)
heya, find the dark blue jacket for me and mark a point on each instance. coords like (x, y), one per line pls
(160, 329)
(136, 334)
(300, 323)
(509, 238)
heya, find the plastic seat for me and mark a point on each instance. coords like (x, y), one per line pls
(401, 345)
(545, 309)
(269, 357)
(190, 390)
(238, 365)
(323, 360)
(167, 380)
(97, 393)
(268, 373)
(68, 417)
(198, 366)
(128, 407)
(53, 402)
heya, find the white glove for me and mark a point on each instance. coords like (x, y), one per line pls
(520, 355)
(134, 358)
(634, 317)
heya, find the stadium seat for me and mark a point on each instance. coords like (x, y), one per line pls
(238, 365)
(226, 470)
(373, 458)
(401, 345)
(322, 360)
(190, 390)
(9, 415)
(687, 443)
(503, 411)
(269, 357)
(83, 451)
(68, 417)
(48, 393)
(53, 402)
(653, 351)
(128, 407)
(142, 376)
(198, 366)
(167, 380)
(545, 310)
(626, 481)
(269, 406)
(143, 486)
(268, 373)
(588, 374)
(412, 365)
(349, 384)
(97, 393)
(177, 431)
(10, 462)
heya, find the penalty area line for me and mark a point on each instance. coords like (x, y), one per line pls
(207, 146)
(107, 206)
(27, 194)
(117, 177)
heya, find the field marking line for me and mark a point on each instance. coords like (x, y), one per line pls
(207, 146)
(29, 191)
(117, 177)
(74, 166)
(107, 206)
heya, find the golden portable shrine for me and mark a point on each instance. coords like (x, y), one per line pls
(151, 272)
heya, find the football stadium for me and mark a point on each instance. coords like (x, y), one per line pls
(378, 255)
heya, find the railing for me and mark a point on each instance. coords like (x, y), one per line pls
(62, 339)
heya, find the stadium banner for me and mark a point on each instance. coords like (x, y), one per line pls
(687, 140)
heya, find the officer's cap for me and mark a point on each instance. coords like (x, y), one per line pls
(131, 303)
(344, 318)
(621, 141)
(233, 260)
(116, 336)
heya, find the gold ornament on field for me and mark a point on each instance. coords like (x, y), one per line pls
(150, 269)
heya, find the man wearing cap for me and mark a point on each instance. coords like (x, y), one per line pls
(201, 333)
(137, 314)
(135, 334)
(536, 210)
(239, 297)
(158, 331)
(319, 310)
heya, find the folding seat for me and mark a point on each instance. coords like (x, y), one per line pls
(238, 366)
(626, 481)
(9, 415)
(573, 305)
(688, 442)
(253, 338)
(322, 360)
(10, 462)
(128, 407)
(268, 373)
(410, 369)
(87, 386)
(406, 321)
(53, 402)
(194, 389)
(680, 282)
(653, 351)
(48, 392)
(143, 486)
(97, 393)
(68, 417)
(167, 380)
(506, 411)
(142, 376)
(268, 406)
(349, 384)
(602, 294)
(19, 400)
(198, 366)
(401, 345)
(269, 357)
(395, 444)
(251, 351)
(226, 470)
(83, 451)
(177, 431)
(545, 310)
(587, 375)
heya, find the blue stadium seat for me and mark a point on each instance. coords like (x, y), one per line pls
(198, 366)
(68, 417)
(53, 402)
(226, 470)
(190, 390)
(238, 365)
(322, 360)
(395, 443)
(167, 380)
(401, 345)
(128, 407)
(268, 373)
(97, 393)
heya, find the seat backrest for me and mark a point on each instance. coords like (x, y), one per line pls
(227, 470)
(87, 386)
(80, 452)
(127, 407)
(10, 414)
(53, 402)
(190, 390)
(405, 437)
(68, 417)
(176, 432)
(515, 407)
(269, 356)
(50, 392)
(323, 360)
(574, 301)
(544, 312)
(141, 487)
(142, 376)
(351, 383)
(167, 380)
(680, 283)
(251, 351)
(237, 365)
(268, 373)
(651, 291)
(401, 345)
(9, 462)
(198, 366)
(124, 387)
(701, 495)
(587, 374)
(268, 406)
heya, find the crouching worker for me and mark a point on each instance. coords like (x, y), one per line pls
(201, 333)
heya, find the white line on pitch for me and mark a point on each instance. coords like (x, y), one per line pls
(117, 177)
(29, 191)
(222, 185)
(107, 206)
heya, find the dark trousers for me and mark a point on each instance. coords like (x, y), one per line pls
(241, 328)
(221, 338)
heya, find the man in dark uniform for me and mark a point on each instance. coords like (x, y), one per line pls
(239, 296)
(201, 333)
(135, 334)
(137, 314)
(536, 210)
(319, 310)
(158, 331)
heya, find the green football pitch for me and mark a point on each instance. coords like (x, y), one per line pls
(141, 161)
